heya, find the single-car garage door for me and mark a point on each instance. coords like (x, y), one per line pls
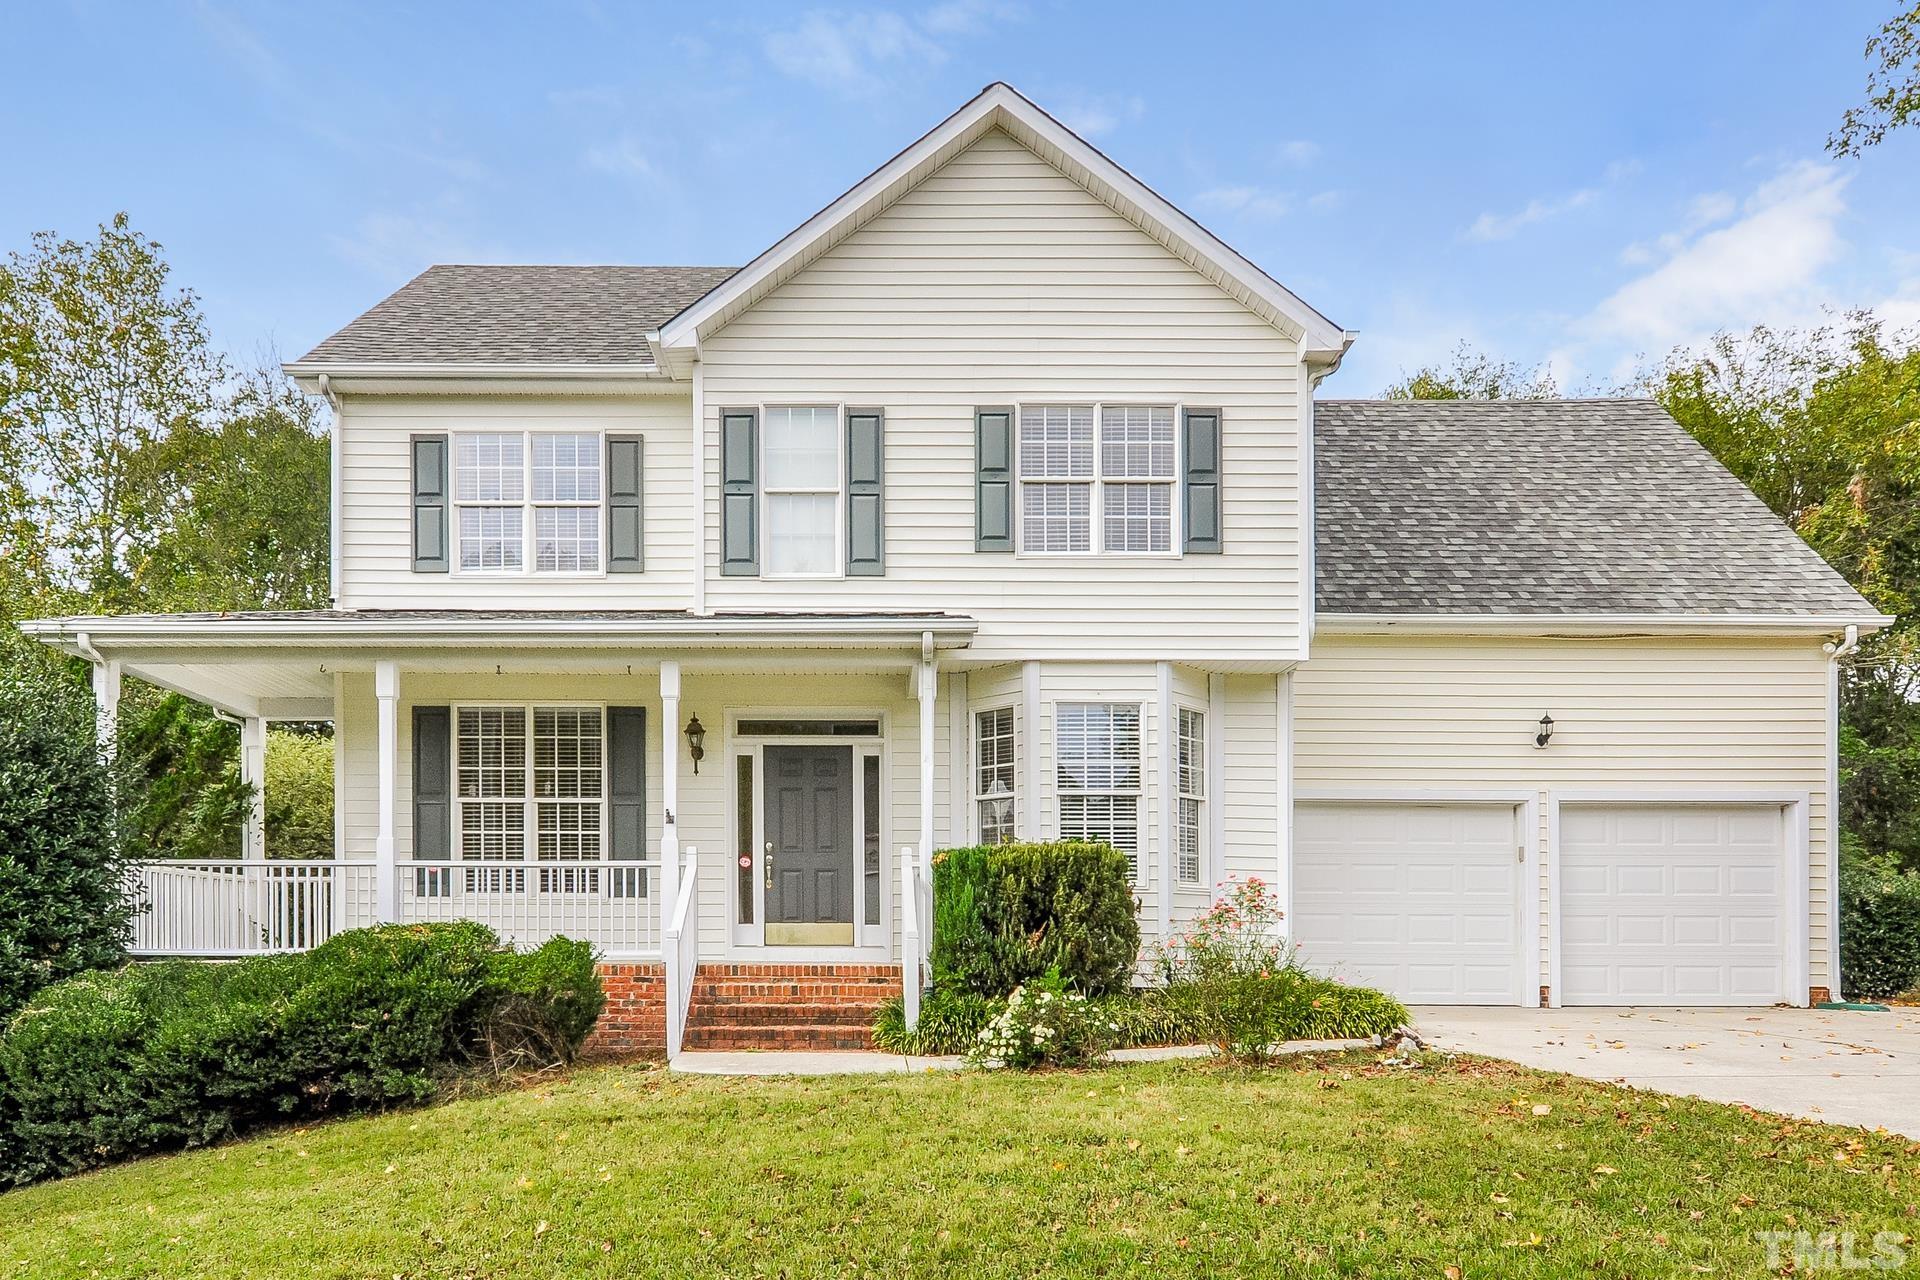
(1420, 900)
(1672, 904)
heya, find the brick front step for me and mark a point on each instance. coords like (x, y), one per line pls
(781, 1037)
(791, 1014)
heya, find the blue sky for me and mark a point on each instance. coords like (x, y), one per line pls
(1574, 184)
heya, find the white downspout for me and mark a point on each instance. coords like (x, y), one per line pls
(699, 488)
(1849, 642)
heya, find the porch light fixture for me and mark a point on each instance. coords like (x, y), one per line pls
(1545, 735)
(696, 741)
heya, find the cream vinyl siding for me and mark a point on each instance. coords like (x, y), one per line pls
(998, 280)
(706, 798)
(376, 516)
(1406, 713)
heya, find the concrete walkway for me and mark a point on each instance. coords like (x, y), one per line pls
(1846, 1068)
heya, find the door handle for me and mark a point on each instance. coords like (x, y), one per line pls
(768, 861)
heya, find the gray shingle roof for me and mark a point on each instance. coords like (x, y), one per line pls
(521, 315)
(1556, 506)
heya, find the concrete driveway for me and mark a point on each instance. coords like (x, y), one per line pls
(1845, 1068)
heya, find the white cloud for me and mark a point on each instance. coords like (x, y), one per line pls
(854, 51)
(1299, 152)
(398, 246)
(1494, 226)
(1091, 117)
(1765, 265)
(1253, 202)
(623, 158)
(1326, 201)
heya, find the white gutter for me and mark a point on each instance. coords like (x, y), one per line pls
(68, 633)
(1835, 652)
(1594, 624)
(623, 372)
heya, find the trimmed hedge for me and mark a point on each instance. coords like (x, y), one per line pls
(179, 1053)
(1879, 928)
(1007, 914)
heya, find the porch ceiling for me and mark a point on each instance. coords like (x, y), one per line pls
(282, 665)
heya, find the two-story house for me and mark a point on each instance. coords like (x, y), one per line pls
(687, 609)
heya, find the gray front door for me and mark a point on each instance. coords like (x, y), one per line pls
(810, 847)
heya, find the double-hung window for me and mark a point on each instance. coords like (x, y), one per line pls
(530, 778)
(1097, 476)
(528, 501)
(995, 774)
(1097, 774)
(1190, 768)
(801, 451)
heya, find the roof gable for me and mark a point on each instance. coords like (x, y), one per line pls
(1001, 107)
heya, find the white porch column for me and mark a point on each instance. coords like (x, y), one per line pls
(253, 772)
(386, 692)
(106, 705)
(928, 685)
(669, 790)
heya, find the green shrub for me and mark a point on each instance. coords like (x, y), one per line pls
(950, 1022)
(1239, 936)
(1005, 915)
(1245, 1016)
(1879, 928)
(179, 1053)
(64, 906)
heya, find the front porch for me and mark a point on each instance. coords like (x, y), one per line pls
(747, 796)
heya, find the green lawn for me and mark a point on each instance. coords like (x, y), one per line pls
(1339, 1166)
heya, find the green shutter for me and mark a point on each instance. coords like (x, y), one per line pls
(625, 473)
(431, 535)
(627, 786)
(993, 479)
(432, 783)
(866, 502)
(1202, 481)
(739, 494)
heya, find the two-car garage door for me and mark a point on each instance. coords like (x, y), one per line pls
(1659, 902)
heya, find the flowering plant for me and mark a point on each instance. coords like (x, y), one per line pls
(1044, 1024)
(1239, 936)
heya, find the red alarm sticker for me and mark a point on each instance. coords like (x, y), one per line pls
(746, 860)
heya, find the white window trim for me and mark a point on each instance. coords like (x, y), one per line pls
(527, 505)
(839, 491)
(1096, 542)
(1141, 872)
(977, 797)
(530, 817)
(1203, 774)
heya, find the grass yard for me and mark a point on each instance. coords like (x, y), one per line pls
(1339, 1166)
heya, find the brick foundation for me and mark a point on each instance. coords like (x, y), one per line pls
(634, 1023)
(1819, 995)
(1546, 997)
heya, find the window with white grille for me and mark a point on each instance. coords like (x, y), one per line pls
(530, 778)
(1097, 477)
(995, 774)
(1190, 781)
(527, 501)
(1097, 774)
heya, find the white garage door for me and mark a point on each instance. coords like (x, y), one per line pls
(1672, 904)
(1422, 901)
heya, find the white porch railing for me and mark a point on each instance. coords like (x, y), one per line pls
(235, 907)
(242, 907)
(682, 949)
(916, 930)
(614, 905)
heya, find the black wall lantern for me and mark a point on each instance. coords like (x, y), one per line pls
(696, 741)
(1545, 735)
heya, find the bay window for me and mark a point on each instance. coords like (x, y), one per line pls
(527, 501)
(1097, 774)
(1190, 791)
(995, 774)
